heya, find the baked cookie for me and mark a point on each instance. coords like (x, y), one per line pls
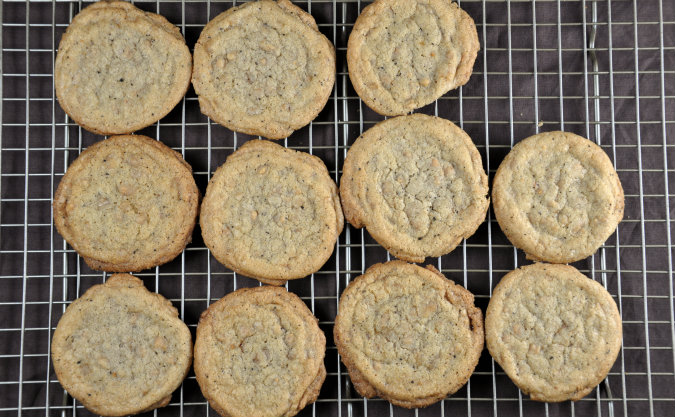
(120, 349)
(557, 196)
(408, 334)
(259, 352)
(127, 203)
(404, 54)
(263, 68)
(555, 332)
(271, 213)
(120, 69)
(417, 184)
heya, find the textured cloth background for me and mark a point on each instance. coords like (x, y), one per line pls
(526, 79)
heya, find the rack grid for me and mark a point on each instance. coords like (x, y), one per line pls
(604, 69)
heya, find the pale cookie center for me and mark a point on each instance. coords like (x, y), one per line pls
(127, 202)
(407, 54)
(273, 214)
(562, 197)
(422, 188)
(262, 359)
(264, 67)
(129, 70)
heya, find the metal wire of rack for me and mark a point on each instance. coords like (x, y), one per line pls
(600, 68)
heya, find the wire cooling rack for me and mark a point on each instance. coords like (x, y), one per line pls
(602, 69)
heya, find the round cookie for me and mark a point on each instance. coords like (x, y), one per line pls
(259, 352)
(120, 349)
(557, 196)
(404, 54)
(408, 334)
(417, 184)
(127, 203)
(271, 213)
(555, 332)
(120, 69)
(263, 68)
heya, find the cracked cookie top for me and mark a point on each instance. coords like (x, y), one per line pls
(408, 334)
(127, 203)
(404, 54)
(417, 184)
(259, 352)
(120, 69)
(120, 349)
(271, 213)
(555, 332)
(263, 68)
(557, 196)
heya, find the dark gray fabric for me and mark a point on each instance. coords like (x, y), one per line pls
(503, 102)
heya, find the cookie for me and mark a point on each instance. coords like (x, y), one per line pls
(557, 196)
(408, 334)
(417, 184)
(120, 349)
(119, 69)
(263, 68)
(555, 332)
(271, 213)
(126, 204)
(404, 54)
(259, 352)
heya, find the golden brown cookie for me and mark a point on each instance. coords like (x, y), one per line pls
(259, 352)
(120, 349)
(557, 196)
(555, 332)
(271, 213)
(263, 68)
(127, 203)
(404, 54)
(408, 334)
(417, 184)
(120, 69)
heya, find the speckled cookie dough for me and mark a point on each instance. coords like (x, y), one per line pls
(259, 352)
(555, 332)
(271, 213)
(127, 203)
(557, 196)
(408, 334)
(404, 54)
(120, 349)
(417, 184)
(120, 69)
(263, 68)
